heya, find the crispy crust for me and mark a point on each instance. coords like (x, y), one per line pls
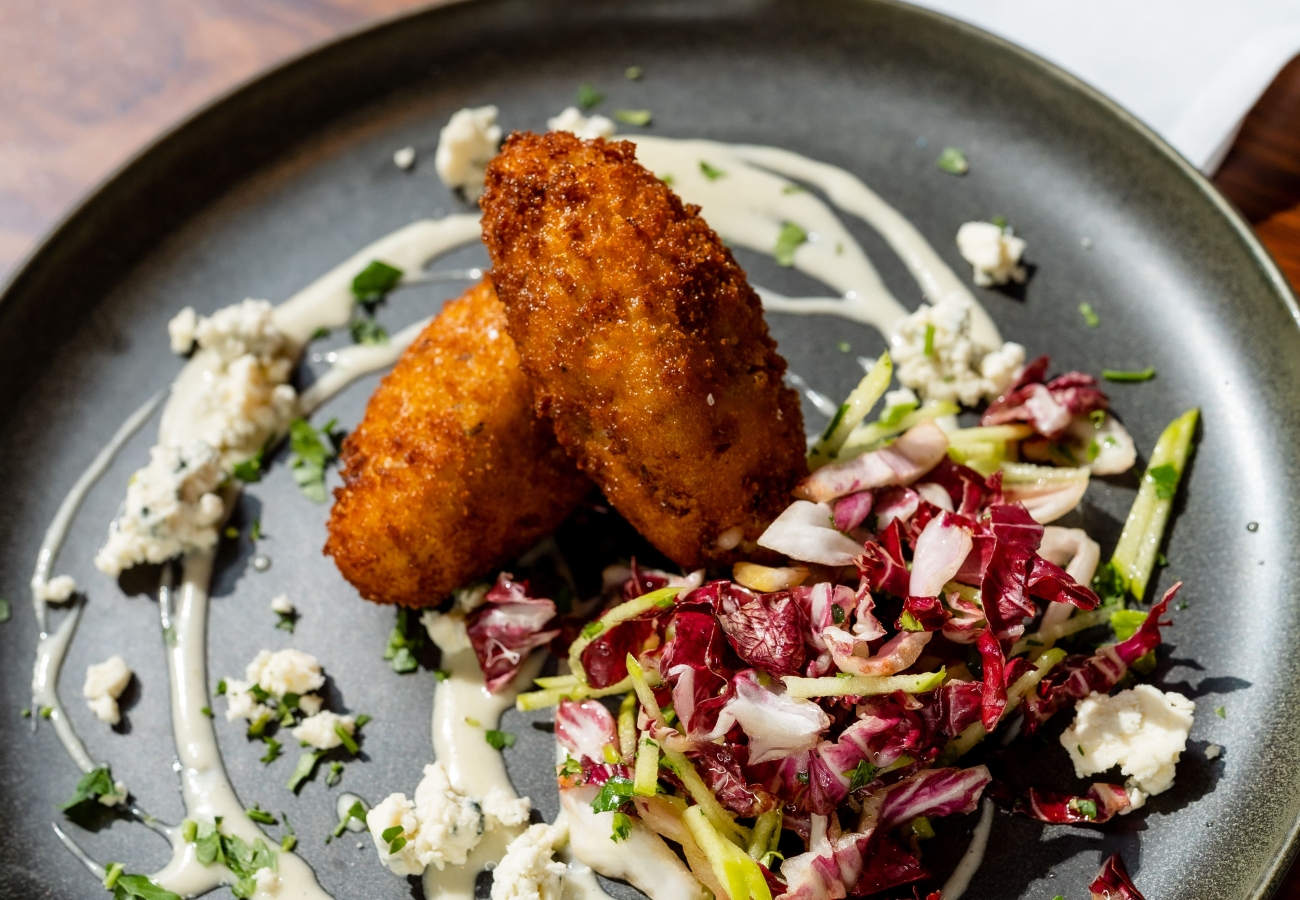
(450, 473)
(644, 343)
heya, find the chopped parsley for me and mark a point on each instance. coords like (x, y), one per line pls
(363, 719)
(844, 347)
(211, 846)
(499, 740)
(5, 612)
(206, 710)
(135, 887)
(787, 241)
(633, 73)
(221, 687)
(588, 96)
(394, 838)
(1085, 808)
(1221, 712)
(1000, 221)
(334, 774)
(96, 783)
(348, 740)
(622, 827)
(319, 333)
(255, 530)
(404, 642)
(1090, 317)
(861, 775)
(441, 674)
(374, 282)
(250, 470)
(46, 711)
(287, 621)
(616, 791)
(273, 749)
(837, 614)
(711, 172)
(303, 771)
(633, 116)
(1108, 584)
(794, 189)
(801, 777)
(953, 161)
(1122, 375)
(309, 455)
(257, 814)
(367, 331)
(929, 339)
(355, 811)
(1165, 479)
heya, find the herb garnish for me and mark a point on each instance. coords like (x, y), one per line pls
(953, 161)
(1165, 479)
(334, 774)
(862, 775)
(711, 172)
(633, 73)
(404, 641)
(306, 766)
(394, 838)
(588, 96)
(257, 814)
(5, 612)
(622, 827)
(787, 241)
(367, 331)
(355, 811)
(375, 281)
(613, 793)
(1121, 375)
(499, 740)
(273, 749)
(929, 339)
(309, 455)
(1221, 712)
(633, 116)
(134, 887)
(212, 846)
(1090, 317)
(250, 470)
(96, 783)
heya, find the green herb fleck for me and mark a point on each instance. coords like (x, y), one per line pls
(335, 773)
(287, 621)
(273, 749)
(929, 339)
(862, 775)
(953, 161)
(1089, 314)
(136, 887)
(1000, 221)
(633, 116)
(616, 791)
(348, 741)
(206, 710)
(257, 814)
(1221, 712)
(375, 281)
(1085, 808)
(96, 783)
(25, 712)
(46, 711)
(363, 719)
(358, 812)
(221, 688)
(801, 777)
(303, 771)
(404, 642)
(255, 530)
(710, 172)
(1108, 584)
(5, 611)
(320, 333)
(788, 240)
(667, 179)
(1165, 479)
(844, 347)
(288, 842)
(588, 96)
(472, 722)
(837, 614)
(1098, 417)
(441, 674)
(367, 331)
(633, 73)
(309, 455)
(112, 872)
(250, 470)
(394, 838)
(794, 189)
(622, 827)
(1121, 375)
(499, 740)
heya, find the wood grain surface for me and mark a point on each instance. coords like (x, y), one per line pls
(86, 83)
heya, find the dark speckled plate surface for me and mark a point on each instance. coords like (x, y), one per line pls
(273, 185)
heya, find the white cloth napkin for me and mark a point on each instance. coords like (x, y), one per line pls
(1190, 69)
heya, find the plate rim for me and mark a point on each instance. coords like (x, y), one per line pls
(85, 208)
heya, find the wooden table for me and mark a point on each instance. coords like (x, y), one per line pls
(80, 91)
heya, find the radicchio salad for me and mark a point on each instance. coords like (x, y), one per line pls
(796, 730)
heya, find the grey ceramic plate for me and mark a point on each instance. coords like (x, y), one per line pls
(269, 187)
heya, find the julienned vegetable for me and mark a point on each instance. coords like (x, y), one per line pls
(862, 685)
(870, 435)
(1139, 543)
(852, 411)
(655, 600)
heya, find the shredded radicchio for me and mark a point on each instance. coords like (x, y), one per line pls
(1113, 883)
(506, 627)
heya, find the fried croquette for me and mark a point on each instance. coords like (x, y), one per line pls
(450, 473)
(644, 343)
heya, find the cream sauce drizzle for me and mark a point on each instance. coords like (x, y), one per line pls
(748, 206)
(973, 858)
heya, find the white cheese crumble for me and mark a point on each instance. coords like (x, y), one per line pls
(585, 127)
(58, 589)
(1141, 730)
(267, 880)
(280, 604)
(310, 704)
(285, 672)
(506, 808)
(229, 400)
(404, 158)
(956, 369)
(180, 330)
(320, 730)
(1212, 751)
(242, 704)
(529, 870)
(441, 826)
(105, 682)
(993, 251)
(466, 145)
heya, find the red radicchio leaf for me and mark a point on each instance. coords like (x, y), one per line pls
(605, 659)
(1049, 407)
(852, 511)
(506, 627)
(933, 792)
(725, 776)
(831, 866)
(1100, 804)
(1113, 883)
(1078, 676)
(951, 708)
(886, 865)
(941, 548)
(967, 488)
(1004, 593)
(994, 698)
(882, 565)
(1048, 581)
(927, 612)
(585, 729)
(765, 630)
(642, 581)
(776, 724)
(897, 503)
(695, 664)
